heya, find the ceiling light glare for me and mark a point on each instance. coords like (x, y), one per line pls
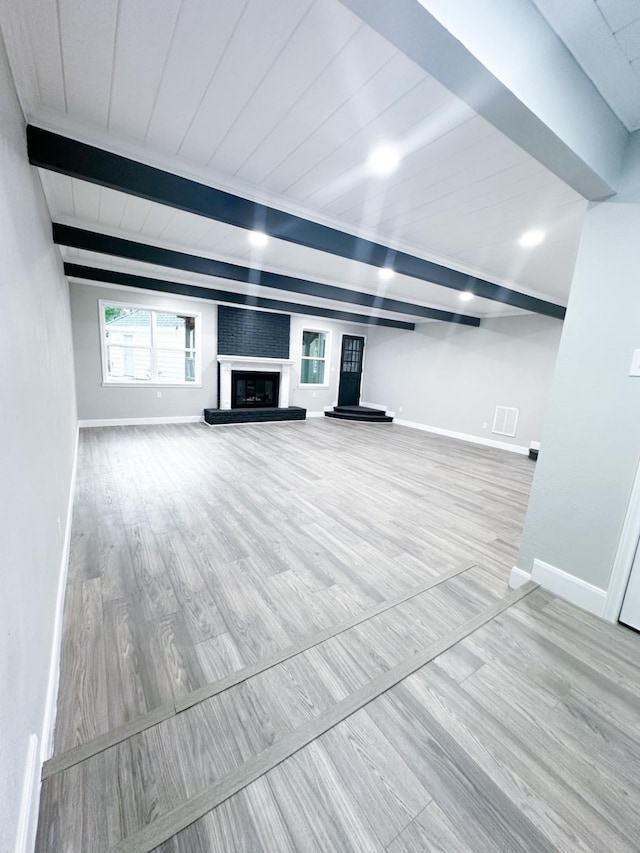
(258, 239)
(384, 159)
(385, 273)
(532, 238)
(466, 296)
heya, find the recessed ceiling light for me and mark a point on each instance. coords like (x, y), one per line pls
(258, 239)
(466, 296)
(384, 159)
(385, 273)
(532, 238)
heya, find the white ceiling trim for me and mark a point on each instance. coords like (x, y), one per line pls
(250, 291)
(214, 283)
(199, 299)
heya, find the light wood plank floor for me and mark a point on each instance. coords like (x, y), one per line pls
(523, 737)
(197, 551)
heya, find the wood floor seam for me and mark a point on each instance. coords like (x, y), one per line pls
(178, 819)
(143, 722)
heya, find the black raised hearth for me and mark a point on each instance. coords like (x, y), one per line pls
(254, 389)
(246, 416)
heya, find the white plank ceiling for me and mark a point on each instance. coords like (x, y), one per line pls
(282, 100)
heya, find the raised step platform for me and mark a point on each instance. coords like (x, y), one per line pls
(248, 416)
(359, 413)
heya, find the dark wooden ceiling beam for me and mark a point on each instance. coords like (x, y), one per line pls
(180, 289)
(77, 159)
(105, 244)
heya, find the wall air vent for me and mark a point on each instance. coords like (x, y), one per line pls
(505, 421)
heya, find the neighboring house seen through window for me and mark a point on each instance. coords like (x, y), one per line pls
(142, 345)
(313, 363)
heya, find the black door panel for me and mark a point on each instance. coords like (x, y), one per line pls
(350, 370)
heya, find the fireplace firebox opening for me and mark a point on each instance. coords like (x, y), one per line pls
(254, 390)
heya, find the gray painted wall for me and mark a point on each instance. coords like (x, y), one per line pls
(37, 441)
(315, 399)
(592, 440)
(98, 402)
(453, 377)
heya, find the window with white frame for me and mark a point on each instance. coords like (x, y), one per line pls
(313, 362)
(144, 345)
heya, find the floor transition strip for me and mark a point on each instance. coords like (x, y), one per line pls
(141, 723)
(170, 824)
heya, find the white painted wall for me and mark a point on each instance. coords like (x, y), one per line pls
(591, 443)
(452, 377)
(37, 443)
(98, 402)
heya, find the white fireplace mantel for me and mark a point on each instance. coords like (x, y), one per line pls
(229, 363)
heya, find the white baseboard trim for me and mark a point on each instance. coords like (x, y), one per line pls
(28, 818)
(572, 589)
(180, 419)
(518, 578)
(48, 725)
(463, 436)
(318, 414)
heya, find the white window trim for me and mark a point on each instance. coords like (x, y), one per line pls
(152, 383)
(327, 356)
